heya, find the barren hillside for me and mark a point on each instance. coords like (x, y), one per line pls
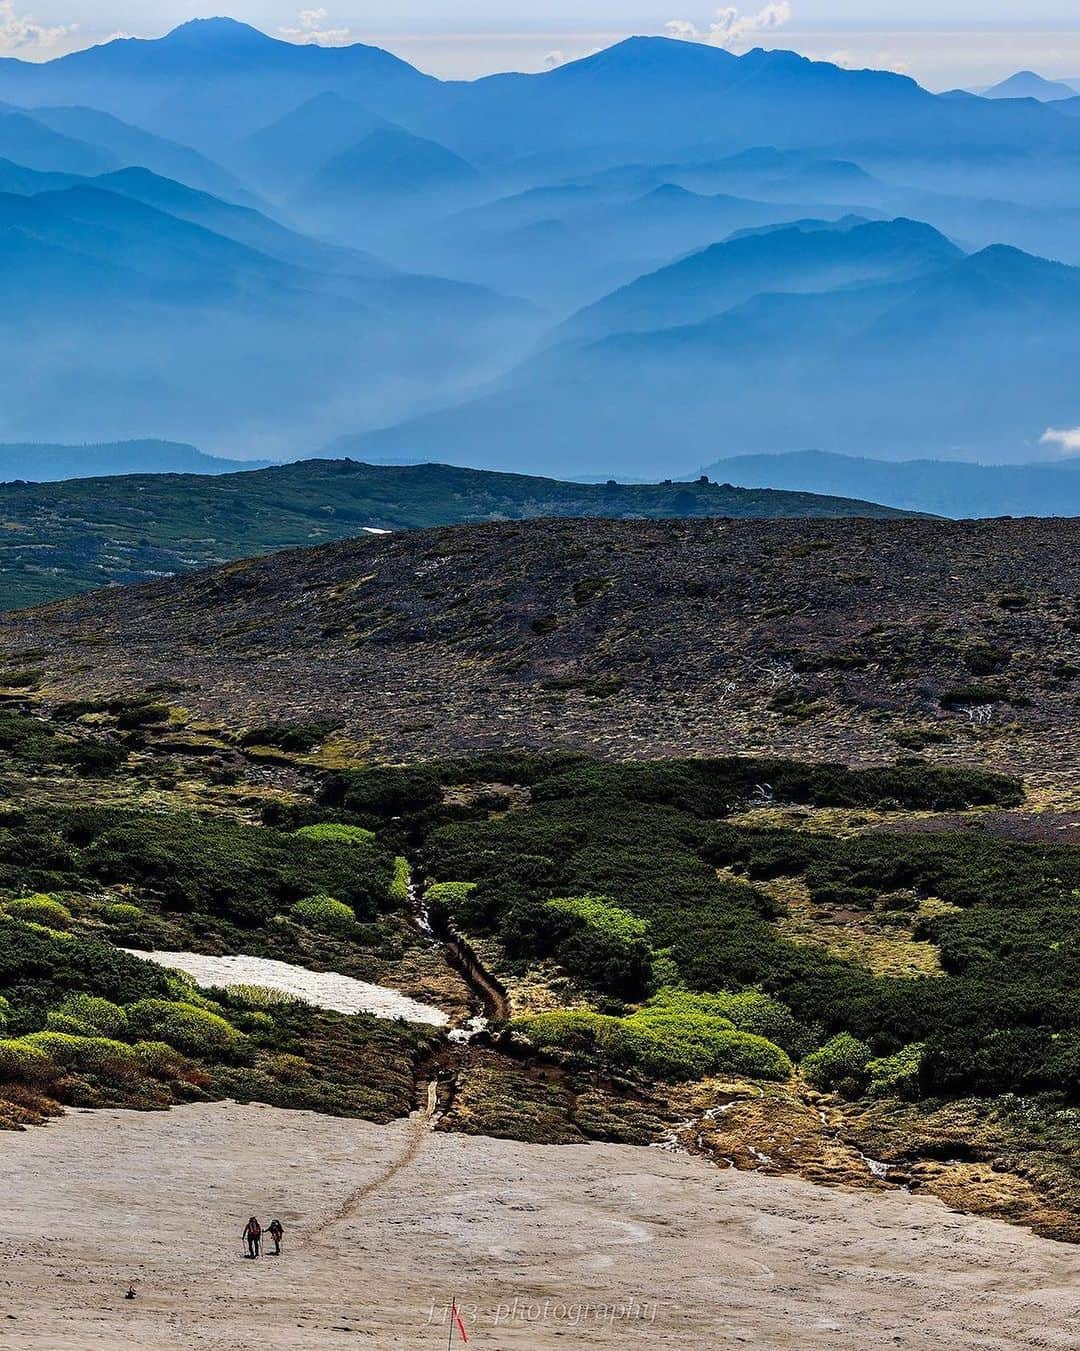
(853, 638)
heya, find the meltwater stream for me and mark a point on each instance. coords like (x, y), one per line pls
(324, 989)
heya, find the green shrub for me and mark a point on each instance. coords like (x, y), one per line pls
(841, 1064)
(210, 865)
(288, 1069)
(64, 1022)
(450, 895)
(983, 659)
(964, 696)
(337, 833)
(189, 1028)
(707, 1041)
(325, 915)
(897, 1075)
(22, 680)
(601, 945)
(41, 910)
(24, 1063)
(289, 736)
(96, 1055)
(122, 915)
(261, 996)
(564, 1029)
(5, 1012)
(384, 792)
(106, 1018)
(748, 1011)
(160, 1060)
(598, 913)
(659, 1042)
(399, 886)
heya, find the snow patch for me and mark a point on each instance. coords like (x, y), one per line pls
(324, 989)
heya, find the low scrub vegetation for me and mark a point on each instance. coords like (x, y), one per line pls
(649, 857)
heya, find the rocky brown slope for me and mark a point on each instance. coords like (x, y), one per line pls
(852, 638)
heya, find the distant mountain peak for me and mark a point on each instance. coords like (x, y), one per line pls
(637, 55)
(1027, 84)
(216, 32)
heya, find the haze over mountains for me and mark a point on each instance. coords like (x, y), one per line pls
(664, 251)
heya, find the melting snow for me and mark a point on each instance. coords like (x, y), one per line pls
(324, 989)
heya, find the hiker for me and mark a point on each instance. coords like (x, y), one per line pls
(253, 1233)
(276, 1231)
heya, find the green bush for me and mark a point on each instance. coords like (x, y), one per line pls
(598, 913)
(399, 886)
(384, 792)
(897, 1075)
(40, 970)
(963, 696)
(95, 1055)
(21, 1062)
(122, 915)
(601, 945)
(186, 1026)
(211, 865)
(41, 910)
(160, 1060)
(841, 1064)
(289, 736)
(325, 915)
(106, 1018)
(64, 1022)
(450, 895)
(658, 1041)
(748, 1011)
(336, 833)
(707, 1041)
(457, 901)
(5, 1012)
(261, 996)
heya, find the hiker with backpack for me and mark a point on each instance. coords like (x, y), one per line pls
(253, 1235)
(276, 1232)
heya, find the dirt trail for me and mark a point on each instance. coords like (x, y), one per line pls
(420, 1123)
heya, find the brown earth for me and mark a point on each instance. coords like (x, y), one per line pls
(854, 639)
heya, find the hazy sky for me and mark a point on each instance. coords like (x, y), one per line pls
(941, 42)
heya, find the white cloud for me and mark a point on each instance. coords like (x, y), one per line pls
(883, 60)
(682, 29)
(311, 30)
(731, 28)
(554, 59)
(1067, 439)
(21, 32)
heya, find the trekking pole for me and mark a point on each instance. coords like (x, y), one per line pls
(450, 1333)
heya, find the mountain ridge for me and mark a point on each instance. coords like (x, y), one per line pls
(100, 532)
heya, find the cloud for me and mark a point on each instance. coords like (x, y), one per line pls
(883, 60)
(1067, 439)
(20, 32)
(731, 28)
(311, 30)
(554, 59)
(682, 29)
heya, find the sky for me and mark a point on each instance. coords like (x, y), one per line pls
(942, 43)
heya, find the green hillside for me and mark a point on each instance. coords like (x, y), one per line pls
(61, 538)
